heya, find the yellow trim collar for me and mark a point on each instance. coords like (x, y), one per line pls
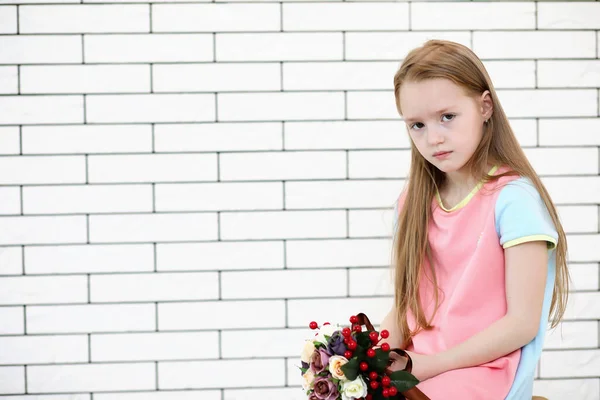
(464, 201)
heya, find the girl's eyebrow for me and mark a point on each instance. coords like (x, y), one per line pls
(413, 119)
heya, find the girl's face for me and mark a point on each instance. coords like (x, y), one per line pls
(444, 123)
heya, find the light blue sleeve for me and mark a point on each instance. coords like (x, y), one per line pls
(521, 215)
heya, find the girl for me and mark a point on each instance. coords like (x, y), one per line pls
(479, 253)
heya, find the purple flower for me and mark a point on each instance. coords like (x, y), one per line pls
(336, 344)
(319, 361)
(325, 389)
(313, 396)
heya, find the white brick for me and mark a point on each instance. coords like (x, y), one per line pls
(574, 160)
(85, 79)
(301, 312)
(9, 140)
(581, 389)
(154, 287)
(12, 321)
(579, 219)
(42, 230)
(567, 73)
(584, 247)
(585, 276)
(220, 256)
(568, 15)
(228, 17)
(10, 200)
(338, 75)
(290, 284)
(345, 16)
(472, 16)
(150, 108)
(8, 19)
(573, 335)
(44, 349)
(583, 305)
(216, 374)
(153, 227)
(9, 79)
(39, 170)
(525, 131)
(87, 199)
(218, 196)
(511, 74)
(24, 110)
(371, 282)
(43, 289)
(393, 45)
(90, 318)
(148, 48)
(338, 253)
(154, 346)
(88, 259)
(282, 225)
(42, 49)
(216, 77)
(221, 315)
(341, 194)
(569, 190)
(11, 260)
(160, 395)
(376, 164)
(84, 18)
(549, 103)
(573, 132)
(53, 396)
(345, 135)
(91, 377)
(292, 393)
(152, 168)
(264, 343)
(12, 380)
(279, 46)
(371, 105)
(534, 44)
(574, 363)
(371, 223)
(221, 136)
(283, 165)
(294, 374)
(86, 139)
(280, 106)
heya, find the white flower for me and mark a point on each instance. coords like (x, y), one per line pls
(309, 348)
(326, 330)
(307, 380)
(354, 389)
(335, 367)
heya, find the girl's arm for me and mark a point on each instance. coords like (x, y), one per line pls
(390, 323)
(526, 271)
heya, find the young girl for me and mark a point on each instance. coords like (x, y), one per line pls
(479, 251)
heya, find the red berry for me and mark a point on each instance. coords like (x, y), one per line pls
(357, 328)
(374, 385)
(352, 345)
(374, 336)
(313, 325)
(393, 391)
(370, 353)
(363, 366)
(386, 381)
(386, 393)
(326, 323)
(346, 332)
(369, 397)
(348, 354)
(346, 340)
(385, 346)
(353, 319)
(385, 334)
(373, 375)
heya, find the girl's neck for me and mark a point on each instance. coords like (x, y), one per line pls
(460, 183)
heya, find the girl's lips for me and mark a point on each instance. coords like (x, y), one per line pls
(442, 155)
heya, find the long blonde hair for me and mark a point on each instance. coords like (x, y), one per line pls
(457, 63)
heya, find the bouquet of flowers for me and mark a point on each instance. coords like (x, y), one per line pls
(346, 363)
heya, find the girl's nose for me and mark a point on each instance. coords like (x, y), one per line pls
(435, 137)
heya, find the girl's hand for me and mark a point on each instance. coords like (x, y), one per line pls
(423, 366)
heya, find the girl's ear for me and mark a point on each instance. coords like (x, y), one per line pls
(487, 105)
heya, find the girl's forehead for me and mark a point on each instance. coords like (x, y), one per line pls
(419, 99)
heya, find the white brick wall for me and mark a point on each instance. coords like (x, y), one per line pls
(173, 175)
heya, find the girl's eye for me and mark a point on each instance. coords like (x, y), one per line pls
(413, 126)
(449, 115)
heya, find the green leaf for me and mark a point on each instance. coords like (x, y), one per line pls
(380, 361)
(350, 369)
(403, 380)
